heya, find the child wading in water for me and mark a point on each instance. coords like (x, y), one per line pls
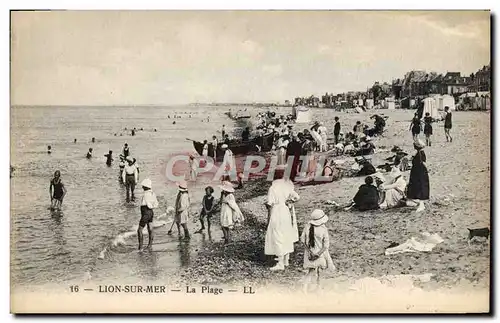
(428, 128)
(207, 208)
(109, 158)
(148, 203)
(57, 191)
(316, 240)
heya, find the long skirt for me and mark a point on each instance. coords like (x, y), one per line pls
(418, 186)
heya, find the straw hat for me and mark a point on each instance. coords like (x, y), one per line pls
(146, 183)
(182, 185)
(224, 146)
(130, 159)
(318, 217)
(227, 187)
(378, 176)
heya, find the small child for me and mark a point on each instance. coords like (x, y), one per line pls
(109, 158)
(89, 154)
(207, 208)
(428, 128)
(316, 239)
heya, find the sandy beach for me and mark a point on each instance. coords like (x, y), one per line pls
(460, 186)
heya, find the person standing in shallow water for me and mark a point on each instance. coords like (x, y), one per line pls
(230, 213)
(130, 177)
(57, 191)
(447, 124)
(89, 153)
(125, 151)
(418, 186)
(182, 206)
(148, 203)
(109, 158)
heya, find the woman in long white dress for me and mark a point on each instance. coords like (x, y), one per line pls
(282, 223)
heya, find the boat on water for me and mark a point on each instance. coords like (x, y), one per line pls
(258, 144)
(237, 116)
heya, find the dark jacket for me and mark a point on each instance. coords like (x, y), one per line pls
(366, 198)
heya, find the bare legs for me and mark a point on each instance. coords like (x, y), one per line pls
(140, 236)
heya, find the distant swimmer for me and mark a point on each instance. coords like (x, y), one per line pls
(155, 130)
(125, 151)
(89, 154)
(168, 116)
(57, 191)
(173, 122)
(109, 158)
(133, 132)
(49, 150)
(74, 141)
(142, 129)
(93, 139)
(148, 203)
(115, 134)
(190, 116)
(130, 177)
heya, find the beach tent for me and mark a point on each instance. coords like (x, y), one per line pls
(390, 104)
(302, 114)
(430, 107)
(445, 101)
(369, 104)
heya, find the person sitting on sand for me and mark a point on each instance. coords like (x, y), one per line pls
(366, 167)
(367, 197)
(316, 240)
(89, 153)
(148, 203)
(395, 191)
(109, 158)
(207, 208)
(57, 191)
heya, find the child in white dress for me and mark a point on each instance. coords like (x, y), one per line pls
(316, 239)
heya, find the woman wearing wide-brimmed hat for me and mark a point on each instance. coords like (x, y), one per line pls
(418, 186)
(282, 223)
(316, 240)
(230, 213)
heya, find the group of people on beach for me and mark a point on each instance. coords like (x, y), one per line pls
(282, 228)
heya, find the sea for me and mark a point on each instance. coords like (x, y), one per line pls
(93, 237)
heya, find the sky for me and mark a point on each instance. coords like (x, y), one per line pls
(179, 57)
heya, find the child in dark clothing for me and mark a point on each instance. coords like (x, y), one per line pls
(109, 158)
(207, 208)
(428, 128)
